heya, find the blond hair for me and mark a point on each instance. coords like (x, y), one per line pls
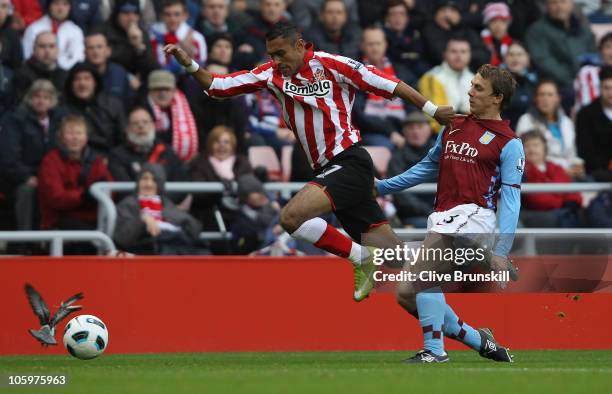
(41, 85)
(215, 134)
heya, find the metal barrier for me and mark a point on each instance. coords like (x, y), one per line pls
(57, 238)
(529, 235)
(107, 212)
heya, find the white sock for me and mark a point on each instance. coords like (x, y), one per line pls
(358, 253)
(311, 230)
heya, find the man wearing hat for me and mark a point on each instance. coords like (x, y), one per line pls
(412, 209)
(70, 40)
(174, 121)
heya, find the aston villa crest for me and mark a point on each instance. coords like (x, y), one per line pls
(486, 138)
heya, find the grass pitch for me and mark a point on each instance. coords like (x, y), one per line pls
(324, 372)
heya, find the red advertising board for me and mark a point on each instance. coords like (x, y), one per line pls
(200, 304)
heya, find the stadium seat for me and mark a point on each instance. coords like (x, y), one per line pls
(286, 162)
(265, 156)
(380, 157)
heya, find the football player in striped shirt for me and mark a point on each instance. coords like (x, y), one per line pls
(316, 91)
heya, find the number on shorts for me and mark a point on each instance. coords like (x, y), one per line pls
(330, 170)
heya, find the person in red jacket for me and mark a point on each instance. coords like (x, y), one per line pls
(24, 13)
(556, 209)
(64, 177)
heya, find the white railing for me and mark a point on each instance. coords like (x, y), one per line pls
(107, 212)
(102, 241)
(530, 235)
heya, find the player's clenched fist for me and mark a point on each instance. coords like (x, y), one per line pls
(445, 114)
(179, 54)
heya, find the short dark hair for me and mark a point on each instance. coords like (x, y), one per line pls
(394, 3)
(372, 27)
(168, 3)
(324, 4)
(604, 40)
(458, 38)
(519, 43)
(140, 107)
(96, 32)
(605, 73)
(501, 80)
(213, 38)
(286, 30)
(547, 81)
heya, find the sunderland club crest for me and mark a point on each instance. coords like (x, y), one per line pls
(318, 75)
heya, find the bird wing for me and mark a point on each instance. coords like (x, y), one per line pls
(72, 299)
(65, 309)
(38, 305)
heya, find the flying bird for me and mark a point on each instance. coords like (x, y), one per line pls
(46, 333)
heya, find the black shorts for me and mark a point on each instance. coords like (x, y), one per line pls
(349, 180)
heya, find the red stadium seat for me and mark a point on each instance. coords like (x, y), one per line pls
(380, 157)
(266, 157)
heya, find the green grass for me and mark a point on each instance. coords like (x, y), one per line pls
(338, 373)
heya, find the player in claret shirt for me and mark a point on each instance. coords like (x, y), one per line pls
(316, 91)
(474, 159)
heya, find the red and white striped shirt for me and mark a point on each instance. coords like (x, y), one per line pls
(586, 85)
(317, 101)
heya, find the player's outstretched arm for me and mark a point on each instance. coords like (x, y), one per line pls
(444, 114)
(371, 80)
(203, 76)
(425, 170)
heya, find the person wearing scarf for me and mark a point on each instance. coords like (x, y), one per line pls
(497, 18)
(173, 29)
(174, 121)
(149, 222)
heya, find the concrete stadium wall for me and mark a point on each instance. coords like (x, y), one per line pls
(269, 304)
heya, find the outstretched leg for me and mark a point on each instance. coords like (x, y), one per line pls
(300, 218)
(427, 303)
(433, 304)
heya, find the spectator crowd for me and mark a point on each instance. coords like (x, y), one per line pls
(88, 95)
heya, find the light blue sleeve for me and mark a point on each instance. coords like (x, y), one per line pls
(425, 170)
(512, 167)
